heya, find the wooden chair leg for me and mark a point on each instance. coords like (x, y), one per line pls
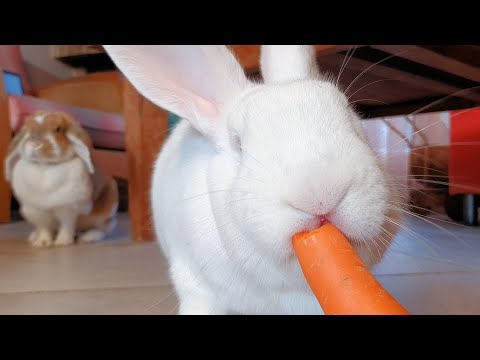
(146, 130)
(5, 138)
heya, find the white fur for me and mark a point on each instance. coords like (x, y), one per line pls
(41, 238)
(224, 215)
(196, 94)
(53, 143)
(13, 156)
(284, 63)
(51, 195)
(82, 151)
(40, 118)
(92, 235)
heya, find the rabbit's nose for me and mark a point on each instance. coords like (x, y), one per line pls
(34, 136)
(36, 143)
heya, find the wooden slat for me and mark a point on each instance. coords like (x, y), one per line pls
(468, 54)
(99, 91)
(146, 130)
(411, 106)
(433, 59)
(60, 51)
(372, 85)
(409, 78)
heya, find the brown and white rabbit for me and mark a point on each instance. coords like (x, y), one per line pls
(59, 188)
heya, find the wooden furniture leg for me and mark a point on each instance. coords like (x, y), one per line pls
(5, 138)
(146, 130)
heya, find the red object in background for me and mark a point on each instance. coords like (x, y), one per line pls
(464, 162)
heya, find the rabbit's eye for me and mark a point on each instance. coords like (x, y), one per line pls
(58, 129)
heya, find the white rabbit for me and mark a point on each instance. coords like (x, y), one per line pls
(59, 188)
(248, 167)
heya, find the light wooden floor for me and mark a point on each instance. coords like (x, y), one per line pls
(118, 276)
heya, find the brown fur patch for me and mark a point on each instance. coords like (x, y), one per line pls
(54, 125)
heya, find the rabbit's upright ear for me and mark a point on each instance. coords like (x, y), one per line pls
(80, 140)
(14, 152)
(196, 82)
(284, 63)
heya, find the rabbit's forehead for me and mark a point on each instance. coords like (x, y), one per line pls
(53, 121)
(40, 118)
(309, 103)
(45, 121)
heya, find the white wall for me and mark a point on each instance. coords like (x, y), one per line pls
(41, 68)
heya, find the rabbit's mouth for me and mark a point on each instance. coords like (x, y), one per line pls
(322, 220)
(312, 221)
(42, 159)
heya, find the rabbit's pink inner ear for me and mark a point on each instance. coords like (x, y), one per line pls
(206, 108)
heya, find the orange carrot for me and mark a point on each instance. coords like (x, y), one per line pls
(337, 276)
